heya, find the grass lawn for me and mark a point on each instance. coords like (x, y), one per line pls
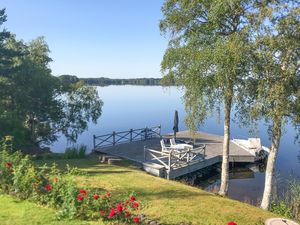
(169, 202)
(15, 212)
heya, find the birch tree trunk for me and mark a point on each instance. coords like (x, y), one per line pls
(276, 135)
(225, 162)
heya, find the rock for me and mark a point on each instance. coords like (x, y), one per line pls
(142, 217)
(280, 221)
(105, 158)
(114, 161)
(147, 221)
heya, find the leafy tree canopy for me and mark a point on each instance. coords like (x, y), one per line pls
(35, 106)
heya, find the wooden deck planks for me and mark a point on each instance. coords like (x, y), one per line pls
(134, 151)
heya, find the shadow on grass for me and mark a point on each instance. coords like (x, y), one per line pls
(90, 165)
(166, 194)
(95, 172)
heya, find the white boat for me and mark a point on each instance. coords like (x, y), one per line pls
(254, 147)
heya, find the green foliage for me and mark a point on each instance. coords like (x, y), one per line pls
(75, 152)
(288, 203)
(209, 51)
(274, 92)
(293, 197)
(24, 175)
(35, 106)
(51, 187)
(281, 208)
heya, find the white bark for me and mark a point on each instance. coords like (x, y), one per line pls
(225, 162)
(276, 134)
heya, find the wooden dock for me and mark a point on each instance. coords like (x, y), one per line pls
(172, 166)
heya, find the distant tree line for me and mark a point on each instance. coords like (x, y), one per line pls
(104, 81)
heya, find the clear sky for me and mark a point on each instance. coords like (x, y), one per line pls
(93, 38)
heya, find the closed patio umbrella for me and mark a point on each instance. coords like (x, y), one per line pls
(175, 127)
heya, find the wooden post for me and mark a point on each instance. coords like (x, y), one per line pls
(114, 138)
(94, 141)
(130, 135)
(145, 159)
(159, 127)
(169, 165)
(146, 129)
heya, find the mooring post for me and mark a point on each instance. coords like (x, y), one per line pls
(159, 132)
(114, 138)
(169, 165)
(146, 129)
(94, 141)
(145, 159)
(130, 135)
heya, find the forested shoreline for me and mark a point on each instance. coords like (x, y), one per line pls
(104, 81)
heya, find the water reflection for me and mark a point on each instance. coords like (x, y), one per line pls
(245, 181)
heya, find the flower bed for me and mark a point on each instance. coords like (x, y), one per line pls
(51, 187)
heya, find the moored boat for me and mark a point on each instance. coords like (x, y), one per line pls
(254, 147)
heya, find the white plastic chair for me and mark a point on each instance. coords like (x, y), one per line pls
(179, 146)
(164, 148)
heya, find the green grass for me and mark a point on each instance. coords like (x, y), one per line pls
(169, 202)
(16, 212)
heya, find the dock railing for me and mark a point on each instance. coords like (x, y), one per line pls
(114, 138)
(174, 158)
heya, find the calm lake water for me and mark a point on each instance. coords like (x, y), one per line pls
(127, 107)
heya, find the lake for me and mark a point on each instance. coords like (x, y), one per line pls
(127, 107)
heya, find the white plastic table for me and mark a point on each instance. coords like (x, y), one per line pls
(182, 146)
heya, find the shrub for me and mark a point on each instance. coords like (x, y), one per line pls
(288, 204)
(75, 152)
(82, 151)
(51, 187)
(293, 197)
(281, 208)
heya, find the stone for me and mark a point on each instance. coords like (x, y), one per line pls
(114, 161)
(105, 158)
(147, 221)
(280, 221)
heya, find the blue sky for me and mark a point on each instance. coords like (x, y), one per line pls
(93, 38)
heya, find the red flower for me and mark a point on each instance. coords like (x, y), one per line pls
(102, 212)
(135, 204)
(232, 223)
(96, 197)
(112, 213)
(8, 165)
(119, 208)
(104, 197)
(79, 197)
(136, 219)
(127, 214)
(108, 194)
(48, 187)
(127, 202)
(132, 198)
(84, 192)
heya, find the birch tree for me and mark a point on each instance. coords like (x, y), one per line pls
(276, 72)
(209, 54)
